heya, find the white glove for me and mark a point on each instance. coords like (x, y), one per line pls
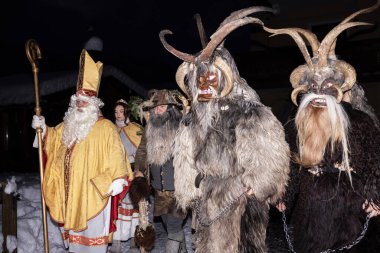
(117, 186)
(39, 122)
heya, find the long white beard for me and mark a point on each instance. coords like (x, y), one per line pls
(77, 124)
(337, 125)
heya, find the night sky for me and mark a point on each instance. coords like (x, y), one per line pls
(129, 30)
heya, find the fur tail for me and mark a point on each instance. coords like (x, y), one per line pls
(253, 227)
(139, 190)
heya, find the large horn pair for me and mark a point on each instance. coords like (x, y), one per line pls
(235, 20)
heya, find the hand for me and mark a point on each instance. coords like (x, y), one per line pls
(371, 209)
(38, 122)
(281, 206)
(117, 186)
(249, 192)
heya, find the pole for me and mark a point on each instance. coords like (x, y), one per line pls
(143, 217)
(34, 54)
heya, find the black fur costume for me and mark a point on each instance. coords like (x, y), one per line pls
(327, 212)
(326, 206)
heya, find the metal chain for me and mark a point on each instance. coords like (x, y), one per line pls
(220, 214)
(286, 230)
(347, 246)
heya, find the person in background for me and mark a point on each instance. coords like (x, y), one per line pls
(154, 160)
(130, 134)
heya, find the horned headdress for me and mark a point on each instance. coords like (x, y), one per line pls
(323, 59)
(207, 55)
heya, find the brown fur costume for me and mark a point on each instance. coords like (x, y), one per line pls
(233, 142)
(156, 147)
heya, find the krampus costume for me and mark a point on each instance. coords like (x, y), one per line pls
(336, 142)
(231, 159)
(154, 157)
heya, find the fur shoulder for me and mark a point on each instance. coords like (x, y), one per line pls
(184, 168)
(262, 153)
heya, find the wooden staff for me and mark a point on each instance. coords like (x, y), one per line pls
(143, 218)
(34, 54)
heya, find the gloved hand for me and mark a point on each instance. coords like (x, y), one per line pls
(39, 122)
(117, 186)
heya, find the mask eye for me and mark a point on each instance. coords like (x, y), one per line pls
(314, 85)
(327, 83)
(211, 77)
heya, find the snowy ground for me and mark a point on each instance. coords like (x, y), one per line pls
(30, 230)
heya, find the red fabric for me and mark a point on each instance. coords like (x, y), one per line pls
(115, 201)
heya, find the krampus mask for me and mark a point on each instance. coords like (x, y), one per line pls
(213, 68)
(323, 73)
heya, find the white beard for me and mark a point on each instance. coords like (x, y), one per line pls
(77, 124)
(337, 127)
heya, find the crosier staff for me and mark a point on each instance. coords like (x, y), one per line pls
(34, 54)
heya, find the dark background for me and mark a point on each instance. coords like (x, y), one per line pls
(129, 30)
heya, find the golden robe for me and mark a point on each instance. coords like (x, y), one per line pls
(93, 164)
(133, 131)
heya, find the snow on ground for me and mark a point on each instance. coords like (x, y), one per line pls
(29, 221)
(30, 229)
(29, 218)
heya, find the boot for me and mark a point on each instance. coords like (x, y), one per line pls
(178, 238)
(172, 246)
(133, 243)
(183, 246)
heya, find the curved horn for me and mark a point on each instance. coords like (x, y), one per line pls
(349, 75)
(366, 10)
(296, 91)
(180, 75)
(329, 40)
(339, 97)
(311, 38)
(185, 103)
(201, 30)
(183, 56)
(352, 16)
(297, 74)
(297, 38)
(332, 50)
(244, 12)
(219, 36)
(227, 73)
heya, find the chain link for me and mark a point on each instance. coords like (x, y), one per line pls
(220, 214)
(347, 246)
